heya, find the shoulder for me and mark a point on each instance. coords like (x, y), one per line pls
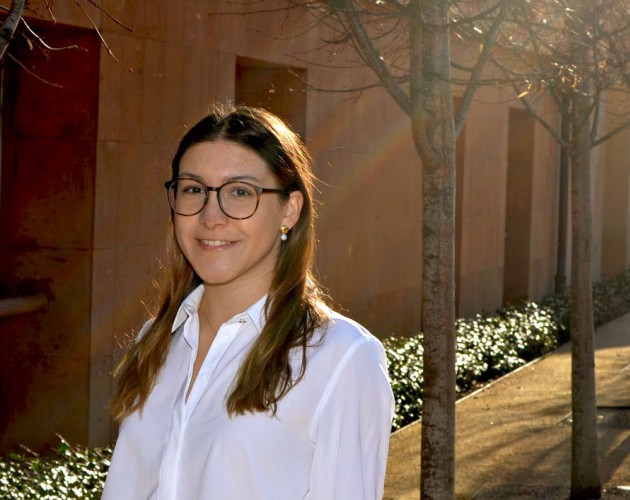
(144, 329)
(344, 338)
(350, 362)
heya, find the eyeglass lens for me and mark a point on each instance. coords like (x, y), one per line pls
(238, 200)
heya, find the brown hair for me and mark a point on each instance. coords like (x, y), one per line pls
(291, 308)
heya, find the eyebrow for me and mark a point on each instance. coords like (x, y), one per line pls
(228, 179)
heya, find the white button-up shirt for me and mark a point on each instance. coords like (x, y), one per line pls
(328, 440)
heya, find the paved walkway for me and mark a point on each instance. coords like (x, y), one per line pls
(514, 436)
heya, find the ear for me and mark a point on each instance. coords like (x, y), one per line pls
(293, 208)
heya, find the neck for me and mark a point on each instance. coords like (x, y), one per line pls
(222, 302)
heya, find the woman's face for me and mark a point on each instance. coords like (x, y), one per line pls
(225, 251)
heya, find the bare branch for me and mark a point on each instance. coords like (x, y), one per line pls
(34, 75)
(369, 52)
(474, 84)
(108, 14)
(44, 44)
(49, 8)
(10, 24)
(358, 88)
(98, 32)
(272, 10)
(611, 134)
(539, 118)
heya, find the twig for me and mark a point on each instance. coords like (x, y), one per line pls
(112, 17)
(44, 44)
(52, 84)
(100, 35)
(49, 8)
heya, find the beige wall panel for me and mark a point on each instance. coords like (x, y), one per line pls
(171, 120)
(543, 244)
(471, 285)
(597, 204)
(135, 268)
(615, 220)
(106, 193)
(493, 293)
(142, 208)
(627, 224)
(102, 346)
(121, 88)
(103, 319)
(483, 206)
(362, 154)
(129, 13)
(194, 102)
(154, 71)
(101, 428)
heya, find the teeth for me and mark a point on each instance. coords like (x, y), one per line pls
(215, 243)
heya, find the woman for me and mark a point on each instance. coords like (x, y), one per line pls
(245, 385)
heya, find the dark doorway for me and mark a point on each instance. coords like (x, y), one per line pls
(518, 206)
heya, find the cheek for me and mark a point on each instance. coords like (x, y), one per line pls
(179, 229)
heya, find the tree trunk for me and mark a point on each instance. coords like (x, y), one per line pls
(10, 24)
(434, 136)
(563, 202)
(585, 480)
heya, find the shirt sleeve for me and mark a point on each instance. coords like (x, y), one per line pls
(351, 427)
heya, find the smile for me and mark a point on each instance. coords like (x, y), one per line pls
(215, 243)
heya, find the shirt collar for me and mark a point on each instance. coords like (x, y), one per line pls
(190, 305)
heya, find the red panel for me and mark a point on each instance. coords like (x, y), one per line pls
(48, 174)
(66, 107)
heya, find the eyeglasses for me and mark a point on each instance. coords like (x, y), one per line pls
(237, 199)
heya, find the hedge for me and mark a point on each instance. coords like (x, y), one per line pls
(490, 345)
(70, 472)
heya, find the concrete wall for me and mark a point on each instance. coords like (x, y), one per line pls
(484, 197)
(163, 77)
(616, 206)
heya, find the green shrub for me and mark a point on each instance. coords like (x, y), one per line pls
(404, 357)
(611, 298)
(488, 346)
(70, 472)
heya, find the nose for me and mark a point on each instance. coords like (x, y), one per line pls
(212, 215)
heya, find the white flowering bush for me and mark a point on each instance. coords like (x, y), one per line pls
(490, 345)
(71, 472)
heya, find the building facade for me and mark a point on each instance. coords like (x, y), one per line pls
(87, 136)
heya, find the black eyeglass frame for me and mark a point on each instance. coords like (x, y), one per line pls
(259, 191)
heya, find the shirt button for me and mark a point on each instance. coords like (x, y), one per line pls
(204, 377)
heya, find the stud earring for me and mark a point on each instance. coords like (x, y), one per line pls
(283, 232)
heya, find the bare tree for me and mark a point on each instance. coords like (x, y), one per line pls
(16, 19)
(406, 44)
(578, 53)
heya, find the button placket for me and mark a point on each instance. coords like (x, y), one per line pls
(221, 343)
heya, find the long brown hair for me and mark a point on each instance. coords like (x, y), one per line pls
(292, 307)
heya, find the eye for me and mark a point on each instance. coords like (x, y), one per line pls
(190, 187)
(241, 190)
